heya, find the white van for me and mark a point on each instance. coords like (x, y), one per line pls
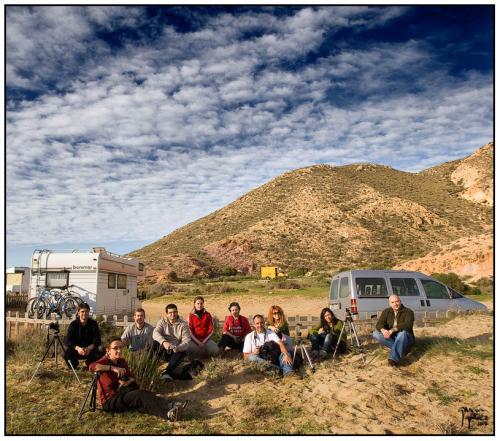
(365, 292)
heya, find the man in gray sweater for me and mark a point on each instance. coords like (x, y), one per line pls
(138, 335)
(171, 339)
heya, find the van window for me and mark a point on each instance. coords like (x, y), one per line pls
(344, 287)
(111, 280)
(334, 290)
(371, 287)
(455, 294)
(404, 287)
(435, 290)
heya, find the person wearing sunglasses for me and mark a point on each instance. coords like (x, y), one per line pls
(119, 392)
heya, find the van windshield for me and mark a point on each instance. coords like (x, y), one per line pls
(371, 287)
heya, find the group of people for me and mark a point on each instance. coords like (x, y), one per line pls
(173, 338)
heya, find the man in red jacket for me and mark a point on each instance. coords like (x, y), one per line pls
(235, 328)
(201, 326)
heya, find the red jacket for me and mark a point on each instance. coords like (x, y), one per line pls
(238, 327)
(201, 329)
(108, 383)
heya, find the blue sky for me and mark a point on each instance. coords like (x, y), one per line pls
(125, 123)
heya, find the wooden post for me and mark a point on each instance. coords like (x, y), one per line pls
(17, 324)
(7, 326)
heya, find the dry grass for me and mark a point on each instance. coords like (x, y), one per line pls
(451, 368)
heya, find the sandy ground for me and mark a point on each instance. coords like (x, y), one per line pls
(250, 305)
(423, 395)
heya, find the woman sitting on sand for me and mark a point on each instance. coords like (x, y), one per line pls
(201, 326)
(277, 322)
(325, 336)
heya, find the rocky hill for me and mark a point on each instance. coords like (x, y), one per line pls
(326, 218)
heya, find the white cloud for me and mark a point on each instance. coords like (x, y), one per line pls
(213, 116)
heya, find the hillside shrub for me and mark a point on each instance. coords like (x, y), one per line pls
(219, 288)
(285, 284)
(452, 280)
(229, 271)
(172, 276)
(298, 272)
(483, 285)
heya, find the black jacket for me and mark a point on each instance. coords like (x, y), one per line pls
(405, 319)
(79, 335)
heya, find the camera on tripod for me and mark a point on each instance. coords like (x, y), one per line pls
(54, 326)
(298, 330)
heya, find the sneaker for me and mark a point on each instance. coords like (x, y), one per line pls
(166, 377)
(392, 363)
(175, 413)
(183, 403)
(323, 354)
(314, 353)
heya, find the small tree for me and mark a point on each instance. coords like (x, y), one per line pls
(229, 271)
(172, 276)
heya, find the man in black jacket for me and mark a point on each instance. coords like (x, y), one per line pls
(394, 329)
(83, 338)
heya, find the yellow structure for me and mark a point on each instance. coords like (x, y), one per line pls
(270, 272)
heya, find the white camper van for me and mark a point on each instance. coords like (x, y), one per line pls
(367, 291)
(106, 281)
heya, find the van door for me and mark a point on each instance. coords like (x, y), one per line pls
(344, 297)
(438, 296)
(334, 295)
(411, 297)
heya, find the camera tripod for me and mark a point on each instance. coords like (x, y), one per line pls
(299, 344)
(52, 342)
(92, 392)
(353, 334)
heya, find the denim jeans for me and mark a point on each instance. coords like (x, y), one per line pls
(397, 345)
(326, 342)
(286, 368)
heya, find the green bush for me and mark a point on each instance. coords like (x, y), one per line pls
(219, 288)
(484, 285)
(229, 271)
(285, 284)
(452, 280)
(172, 276)
(298, 272)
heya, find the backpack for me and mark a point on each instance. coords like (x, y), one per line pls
(270, 351)
(187, 370)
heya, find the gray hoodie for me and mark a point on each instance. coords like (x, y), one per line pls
(177, 334)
